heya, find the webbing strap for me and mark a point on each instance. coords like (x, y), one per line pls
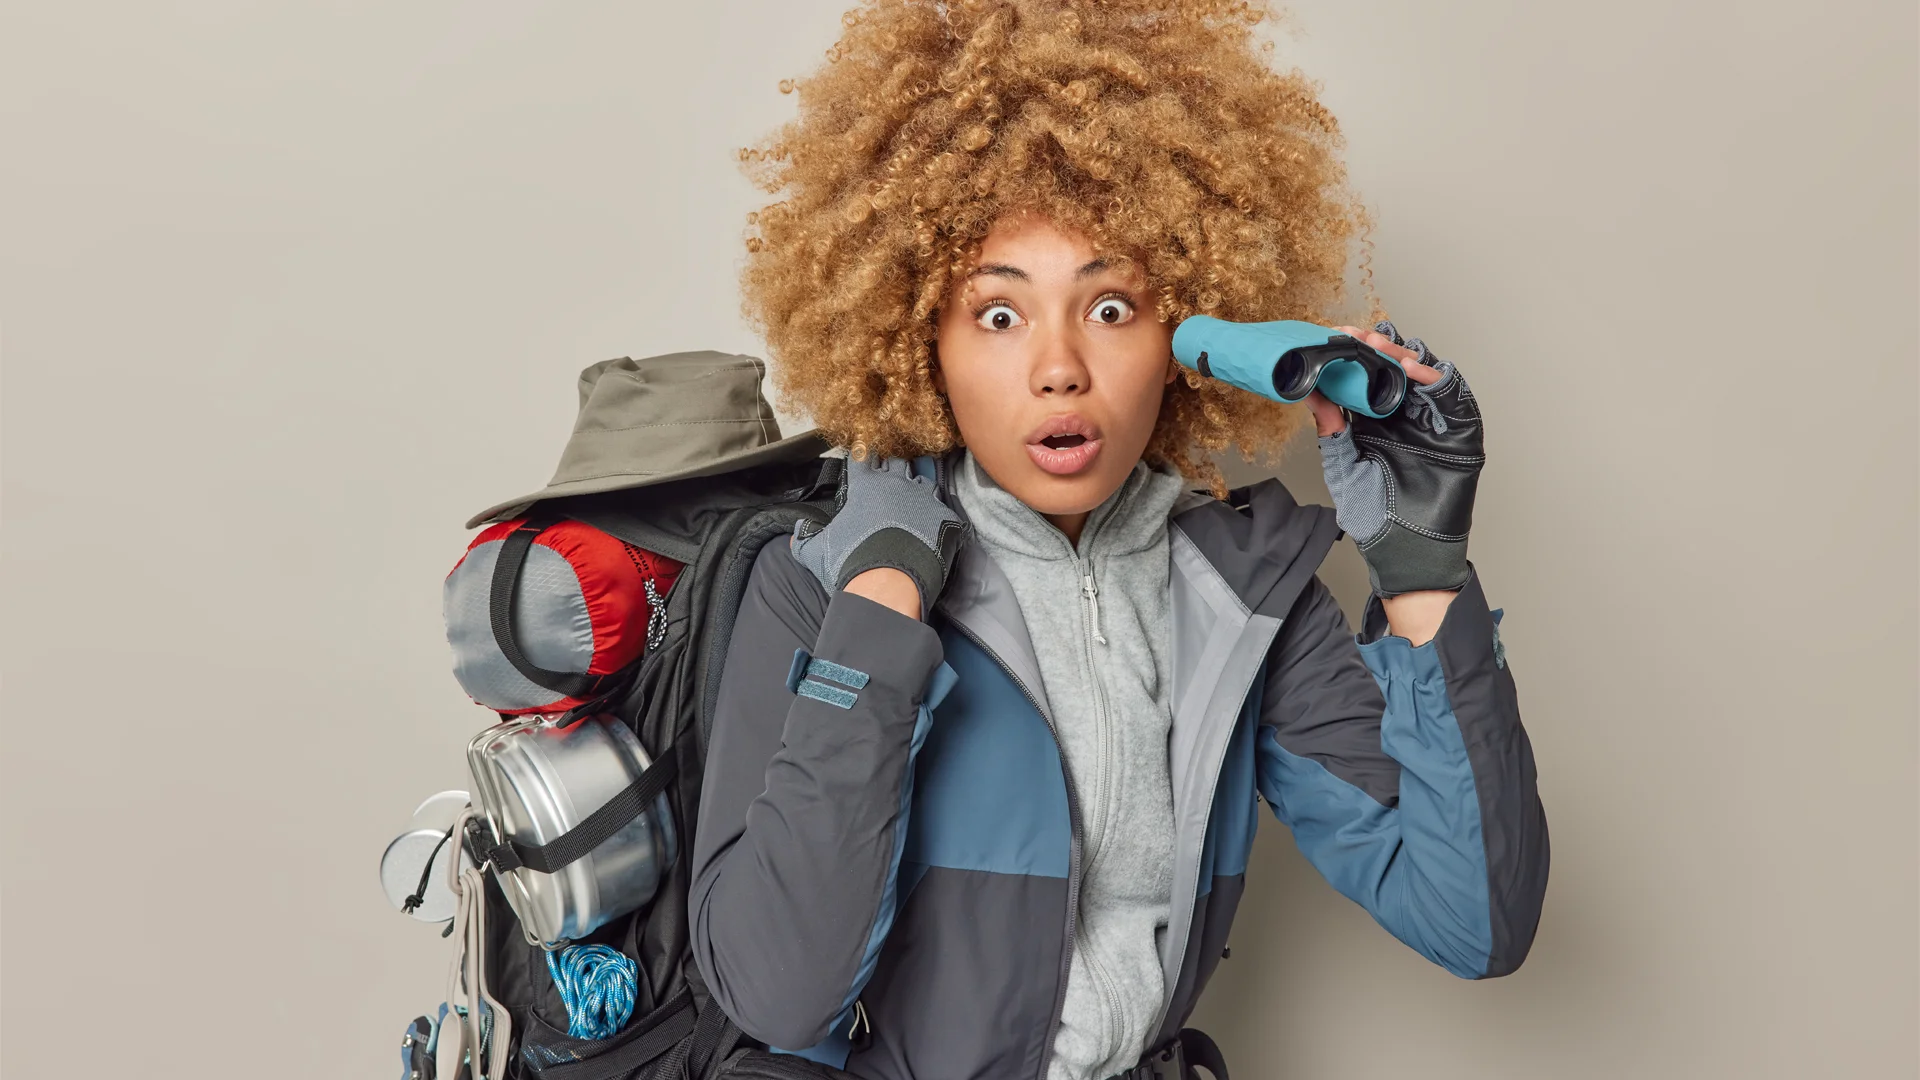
(1176, 1059)
(595, 830)
(500, 605)
(1203, 1052)
(712, 1029)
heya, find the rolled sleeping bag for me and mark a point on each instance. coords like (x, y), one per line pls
(543, 615)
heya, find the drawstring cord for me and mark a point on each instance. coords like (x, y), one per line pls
(1093, 599)
(413, 902)
(656, 616)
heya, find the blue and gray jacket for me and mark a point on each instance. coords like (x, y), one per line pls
(888, 859)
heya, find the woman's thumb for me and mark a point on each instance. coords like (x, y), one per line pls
(1327, 417)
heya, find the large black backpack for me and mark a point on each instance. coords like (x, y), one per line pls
(717, 527)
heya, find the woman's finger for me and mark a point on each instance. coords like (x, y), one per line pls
(1423, 374)
(1379, 342)
(1327, 418)
(1383, 344)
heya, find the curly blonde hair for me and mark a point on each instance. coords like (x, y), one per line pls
(1156, 129)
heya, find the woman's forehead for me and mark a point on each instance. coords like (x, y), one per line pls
(1034, 249)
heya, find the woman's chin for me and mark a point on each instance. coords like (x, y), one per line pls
(1057, 494)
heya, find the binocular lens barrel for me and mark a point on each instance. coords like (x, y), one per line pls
(1293, 377)
(1286, 360)
(1385, 387)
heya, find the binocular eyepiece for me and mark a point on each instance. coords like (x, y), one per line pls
(1287, 360)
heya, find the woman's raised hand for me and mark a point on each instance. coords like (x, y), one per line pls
(1403, 485)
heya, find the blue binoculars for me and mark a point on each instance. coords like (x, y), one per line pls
(1287, 360)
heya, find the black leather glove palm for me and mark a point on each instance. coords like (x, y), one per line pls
(1403, 485)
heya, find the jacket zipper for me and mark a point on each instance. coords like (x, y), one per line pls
(1073, 808)
(1102, 778)
(1191, 887)
(1074, 850)
(1103, 784)
(1102, 789)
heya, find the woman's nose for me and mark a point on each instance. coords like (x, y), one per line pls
(1059, 369)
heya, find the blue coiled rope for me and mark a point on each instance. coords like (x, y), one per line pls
(597, 984)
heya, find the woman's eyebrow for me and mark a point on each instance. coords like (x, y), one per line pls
(1000, 270)
(1014, 272)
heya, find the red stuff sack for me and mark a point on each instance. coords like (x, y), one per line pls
(544, 615)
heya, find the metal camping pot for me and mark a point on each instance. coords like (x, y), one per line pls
(534, 780)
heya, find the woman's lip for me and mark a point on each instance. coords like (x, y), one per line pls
(1067, 461)
(1065, 424)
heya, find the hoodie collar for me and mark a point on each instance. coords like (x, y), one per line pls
(1131, 519)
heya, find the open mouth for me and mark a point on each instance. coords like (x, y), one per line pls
(1064, 445)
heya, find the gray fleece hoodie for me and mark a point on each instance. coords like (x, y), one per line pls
(1099, 620)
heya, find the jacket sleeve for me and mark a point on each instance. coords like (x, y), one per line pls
(803, 808)
(1406, 777)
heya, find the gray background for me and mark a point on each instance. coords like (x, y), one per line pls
(289, 290)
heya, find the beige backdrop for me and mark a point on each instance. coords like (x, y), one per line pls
(289, 290)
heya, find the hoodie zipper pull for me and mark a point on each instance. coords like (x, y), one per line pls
(1093, 600)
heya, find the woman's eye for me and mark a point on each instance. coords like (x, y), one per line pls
(1111, 310)
(997, 317)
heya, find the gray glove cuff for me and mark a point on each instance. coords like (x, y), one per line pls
(887, 518)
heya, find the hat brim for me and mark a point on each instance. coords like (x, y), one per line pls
(807, 444)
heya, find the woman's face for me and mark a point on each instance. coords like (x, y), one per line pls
(1054, 366)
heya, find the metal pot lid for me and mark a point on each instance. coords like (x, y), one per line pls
(440, 810)
(426, 838)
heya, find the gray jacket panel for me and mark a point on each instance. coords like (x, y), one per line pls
(982, 1018)
(805, 797)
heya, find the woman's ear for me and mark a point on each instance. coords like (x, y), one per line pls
(1173, 371)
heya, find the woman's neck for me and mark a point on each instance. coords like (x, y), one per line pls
(1132, 517)
(1070, 524)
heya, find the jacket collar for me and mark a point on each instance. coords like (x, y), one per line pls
(1131, 519)
(1253, 553)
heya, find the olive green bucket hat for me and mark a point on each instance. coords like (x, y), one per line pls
(671, 417)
